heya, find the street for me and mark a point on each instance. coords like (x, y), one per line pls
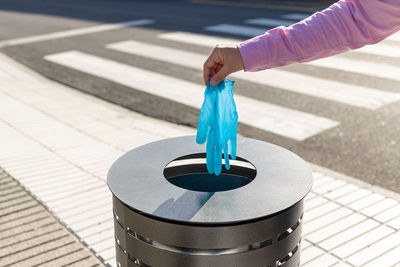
(84, 82)
(341, 113)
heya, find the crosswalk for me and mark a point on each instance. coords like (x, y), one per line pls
(331, 90)
(297, 125)
(289, 123)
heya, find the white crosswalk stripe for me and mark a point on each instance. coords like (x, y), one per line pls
(380, 49)
(240, 30)
(276, 119)
(394, 37)
(316, 87)
(295, 16)
(373, 69)
(197, 39)
(269, 22)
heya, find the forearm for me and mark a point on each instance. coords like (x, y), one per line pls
(348, 24)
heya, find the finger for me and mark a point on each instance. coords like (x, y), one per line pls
(207, 73)
(210, 154)
(218, 160)
(233, 147)
(209, 65)
(226, 156)
(217, 68)
(206, 115)
(203, 125)
(219, 76)
(202, 131)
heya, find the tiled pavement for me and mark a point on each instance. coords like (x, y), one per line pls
(59, 143)
(31, 236)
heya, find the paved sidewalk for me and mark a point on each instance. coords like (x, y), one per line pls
(31, 236)
(59, 143)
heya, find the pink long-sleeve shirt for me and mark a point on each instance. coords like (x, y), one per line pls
(347, 24)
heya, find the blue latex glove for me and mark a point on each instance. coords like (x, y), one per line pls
(218, 125)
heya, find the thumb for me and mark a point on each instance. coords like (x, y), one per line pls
(219, 76)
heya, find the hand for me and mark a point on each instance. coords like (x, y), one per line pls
(223, 61)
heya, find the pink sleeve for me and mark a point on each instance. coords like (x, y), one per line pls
(348, 24)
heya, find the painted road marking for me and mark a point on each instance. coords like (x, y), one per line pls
(295, 16)
(279, 120)
(74, 32)
(269, 22)
(236, 29)
(373, 69)
(197, 39)
(332, 90)
(394, 37)
(380, 49)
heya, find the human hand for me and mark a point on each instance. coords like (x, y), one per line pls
(223, 61)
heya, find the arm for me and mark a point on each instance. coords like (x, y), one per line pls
(348, 24)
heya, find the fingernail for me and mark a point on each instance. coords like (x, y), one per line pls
(212, 83)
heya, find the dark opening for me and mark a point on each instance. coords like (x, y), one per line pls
(190, 172)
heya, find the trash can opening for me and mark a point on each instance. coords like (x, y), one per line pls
(190, 172)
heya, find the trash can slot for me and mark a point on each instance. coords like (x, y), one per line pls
(118, 220)
(120, 245)
(290, 229)
(190, 172)
(285, 259)
(138, 262)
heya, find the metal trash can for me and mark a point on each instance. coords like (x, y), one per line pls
(169, 212)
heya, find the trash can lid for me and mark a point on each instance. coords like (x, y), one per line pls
(137, 179)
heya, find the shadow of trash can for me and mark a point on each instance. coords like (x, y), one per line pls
(169, 212)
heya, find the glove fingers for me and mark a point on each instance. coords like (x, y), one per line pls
(233, 147)
(218, 160)
(207, 115)
(202, 131)
(210, 156)
(226, 156)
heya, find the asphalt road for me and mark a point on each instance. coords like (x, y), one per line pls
(363, 143)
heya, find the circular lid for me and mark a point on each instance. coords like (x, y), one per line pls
(137, 179)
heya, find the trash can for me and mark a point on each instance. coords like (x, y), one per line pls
(169, 212)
